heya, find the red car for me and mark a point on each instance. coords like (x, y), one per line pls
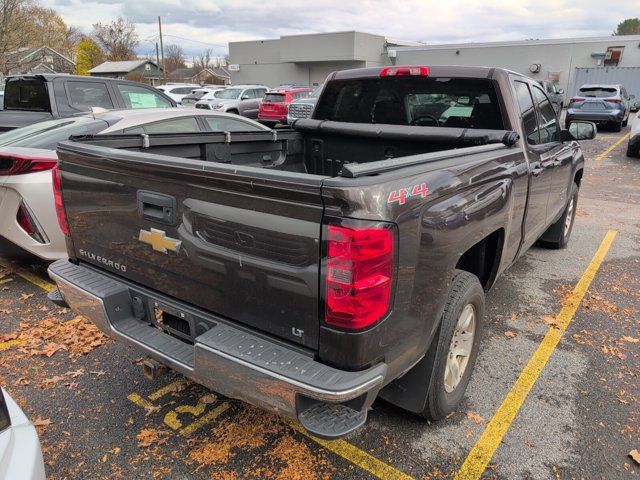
(275, 104)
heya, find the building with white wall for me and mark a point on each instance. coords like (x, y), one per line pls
(308, 59)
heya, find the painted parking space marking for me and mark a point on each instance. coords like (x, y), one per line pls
(612, 147)
(483, 450)
(172, 418)
(28, 276)
(358, 457)
(10, 343)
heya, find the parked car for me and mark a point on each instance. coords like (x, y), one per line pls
(303, 107)
(20, 452)
(34, 98)
(633, 147)
(27, 155)
(240, 99)
(311, 271)
(275, 104)
(555, 93)
(197, 94)
(177, 91)
(602, 104)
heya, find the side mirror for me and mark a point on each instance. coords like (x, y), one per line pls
(561, 91)
(244, 97)
(631, 97)
(582, 130)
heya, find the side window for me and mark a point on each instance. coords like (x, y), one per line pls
(549, 131)
(249, 93)
(527, 112)
(141, 97)
(260, 92)
(175, 125)
(222, 124)
(84, 95)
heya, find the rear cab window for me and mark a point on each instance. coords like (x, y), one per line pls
(136, 97)
(26, 94)
(274, 97)
(420, 101)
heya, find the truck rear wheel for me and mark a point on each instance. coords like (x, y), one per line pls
(557, 235)
(457, 346)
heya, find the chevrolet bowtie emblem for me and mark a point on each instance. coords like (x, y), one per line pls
(159, 240)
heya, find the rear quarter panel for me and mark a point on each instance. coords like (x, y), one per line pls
(468, 198)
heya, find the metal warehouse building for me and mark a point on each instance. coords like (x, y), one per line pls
(308, 59)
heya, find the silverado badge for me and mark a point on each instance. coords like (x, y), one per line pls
(159, 240)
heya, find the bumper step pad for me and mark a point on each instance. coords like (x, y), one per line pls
(331, 420)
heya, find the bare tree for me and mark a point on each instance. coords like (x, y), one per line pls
(204, 60)
(118, 39)
(173, 58)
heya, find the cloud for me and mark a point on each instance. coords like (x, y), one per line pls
(202, 23)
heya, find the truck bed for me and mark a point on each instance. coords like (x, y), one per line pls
(314, 147)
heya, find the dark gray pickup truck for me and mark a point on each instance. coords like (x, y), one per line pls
(309, 271)
(30, 99)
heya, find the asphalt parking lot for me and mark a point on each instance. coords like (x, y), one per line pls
(573, 410)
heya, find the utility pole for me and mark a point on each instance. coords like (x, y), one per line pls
(161, 48)
(158, 60)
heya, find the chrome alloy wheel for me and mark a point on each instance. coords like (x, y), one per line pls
(569, 218)
(460, 348)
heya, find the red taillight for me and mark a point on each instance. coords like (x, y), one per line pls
(577, 99)
(11, 164)
(405, 71)
(57, 197)
(613, 100)
(359, 275)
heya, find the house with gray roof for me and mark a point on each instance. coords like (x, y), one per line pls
(128, 69)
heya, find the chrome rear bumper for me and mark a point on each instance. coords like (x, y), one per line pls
(226, 358)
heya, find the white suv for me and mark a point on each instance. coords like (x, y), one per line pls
(178, 90)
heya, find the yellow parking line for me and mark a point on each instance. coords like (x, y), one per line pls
(172, 387)
(202, 421)
(28, 276)
(141, 402)
(356, 456)
(482, 452)
(610, 149)
(9, 343)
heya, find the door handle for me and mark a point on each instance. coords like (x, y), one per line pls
(157, 207)
(536, 171)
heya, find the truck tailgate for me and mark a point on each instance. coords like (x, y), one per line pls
(240, 242)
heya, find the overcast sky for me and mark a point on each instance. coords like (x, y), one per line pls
(200, 24)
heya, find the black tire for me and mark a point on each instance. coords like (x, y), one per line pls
(633, 151)
(616, 127)
(557, 236)
(235, 112)
(465, 290)
(625, 122)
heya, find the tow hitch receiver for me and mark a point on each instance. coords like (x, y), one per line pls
(152, 369)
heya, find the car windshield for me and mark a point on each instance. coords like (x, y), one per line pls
(598, 92)
(229, 94)
(47, 134)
